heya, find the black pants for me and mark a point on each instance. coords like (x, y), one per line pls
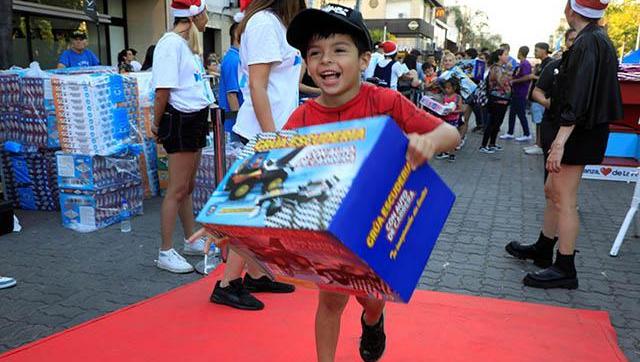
(497, 110)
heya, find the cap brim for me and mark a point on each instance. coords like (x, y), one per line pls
(310, 21)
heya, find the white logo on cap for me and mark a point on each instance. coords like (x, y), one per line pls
(336, 9)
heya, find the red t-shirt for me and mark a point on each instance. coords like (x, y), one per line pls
(371, 101)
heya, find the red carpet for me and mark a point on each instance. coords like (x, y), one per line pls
(182, 325)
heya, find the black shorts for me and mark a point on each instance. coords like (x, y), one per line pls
(584, 146)
(183, 132)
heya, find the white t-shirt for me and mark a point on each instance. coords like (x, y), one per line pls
(397, 70)
(177, 68)
(136, 65)
(264, 40)
(375, 59)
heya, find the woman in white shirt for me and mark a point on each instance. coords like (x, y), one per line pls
(269, 78)
(182, 100)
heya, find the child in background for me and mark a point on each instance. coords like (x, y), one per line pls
(449, 62)
(454, 118)
(430, 80)
(336, 45)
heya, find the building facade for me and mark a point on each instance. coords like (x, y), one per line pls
(412, 22)
(41, 28)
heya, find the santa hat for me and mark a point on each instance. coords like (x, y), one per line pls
(593, 9)
(389, 48)
(187, 8)
(244, 4)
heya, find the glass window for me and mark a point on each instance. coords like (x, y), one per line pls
(116, 36)
(69, 4)
(115, 8)
(50, 37)
(20, 48)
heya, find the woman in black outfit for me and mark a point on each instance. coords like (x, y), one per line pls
(585, 98)
(499, 92)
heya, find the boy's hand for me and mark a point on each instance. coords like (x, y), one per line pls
(421, 149)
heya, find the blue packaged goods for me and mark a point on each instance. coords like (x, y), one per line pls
(96, 113)
(148, 164)
(10, 105)
(38, 117)
(334, 206)
(473, 68)
(467, 86)
(146, 96)
(87, 211)
(30, 180)
(205, 179)
(83, 172)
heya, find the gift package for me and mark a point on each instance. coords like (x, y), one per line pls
(335, 207)
(30, 178)
(95, 113)
(93, 188)
(437, 107)
(90, 210)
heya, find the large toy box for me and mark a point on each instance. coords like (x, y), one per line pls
(335, 206)
(83, 172)
(86, 211)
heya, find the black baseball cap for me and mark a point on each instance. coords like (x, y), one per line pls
(78, 34)
(331, 16)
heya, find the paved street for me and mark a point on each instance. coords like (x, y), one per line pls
(66, 278)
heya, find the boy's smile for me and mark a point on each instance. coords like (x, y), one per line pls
(335, 66)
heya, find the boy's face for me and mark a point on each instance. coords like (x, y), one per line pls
(429, 71)
(334, 64)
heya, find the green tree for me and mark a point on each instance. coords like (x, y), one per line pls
(473, 27)
(377, 35)
(622, 21)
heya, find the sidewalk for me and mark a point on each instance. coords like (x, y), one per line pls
(65, 278)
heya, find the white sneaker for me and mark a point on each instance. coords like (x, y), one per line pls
(523, 138)
(534, 150)
(528, 147)
(462, 142)
(506, 136)
(171, 261)
(194, 248)
(487, 150)
(6, 282)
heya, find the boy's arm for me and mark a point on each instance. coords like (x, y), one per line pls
(422, 147)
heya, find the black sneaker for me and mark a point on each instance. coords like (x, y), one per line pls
(452, 158)
(236, 296)
(266, 285)
(373, 340)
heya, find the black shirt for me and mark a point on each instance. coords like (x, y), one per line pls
(586, 92)
(538, 71)
(545, 83)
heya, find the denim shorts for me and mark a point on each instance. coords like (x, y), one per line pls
(537, 111)
(183, 132)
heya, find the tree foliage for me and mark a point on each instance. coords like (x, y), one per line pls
(377, 35)
(622, 21)
(473, 27)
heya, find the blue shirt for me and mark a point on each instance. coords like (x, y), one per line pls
(72, 59)
(229, 78)
(514, 63)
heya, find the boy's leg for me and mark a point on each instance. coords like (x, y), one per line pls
(373, 340)
(328, 315)
(373, 309)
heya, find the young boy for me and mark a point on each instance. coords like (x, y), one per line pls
(337, 47)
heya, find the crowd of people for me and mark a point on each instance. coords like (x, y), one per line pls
(290, 67)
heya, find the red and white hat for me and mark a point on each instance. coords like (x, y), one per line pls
(593, 9)
(389, 48)
(187, 8)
